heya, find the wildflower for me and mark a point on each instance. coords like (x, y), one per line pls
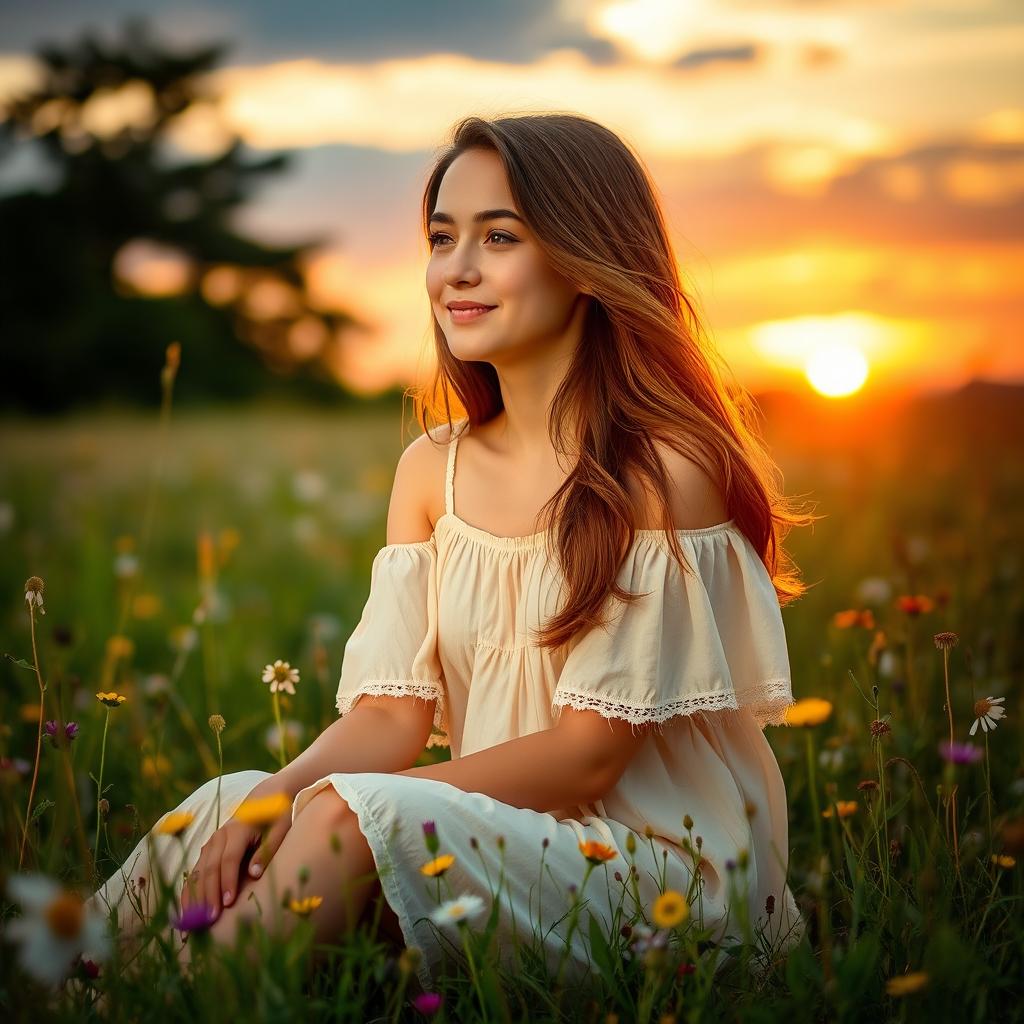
(809, 711)
(196, 917)
(874, 590)
(34, 587)
(879, 728)
(1004, 860)
(428, 1003)
(946, 641)
(410, 959)
(126, 565)
(844, 808)
(646, 938)
(112, 700)
(305, 906)
(670, 909)
(597, 853)
(905, 984)
(57, 926)
(54, 733)
(281, 676)
(438, 866)
(458, 911)
(959, 753)
(174, 824)
(853, 617)
(120, 646)
(145, 606)
(156, 767)
(263, 810)
(290, 731)
(915, 604)
(868, 785)
(216, 723)
(987, 712)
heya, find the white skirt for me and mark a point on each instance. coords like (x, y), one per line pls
(392, 809)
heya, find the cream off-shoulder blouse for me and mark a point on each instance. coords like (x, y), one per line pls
(703, 655)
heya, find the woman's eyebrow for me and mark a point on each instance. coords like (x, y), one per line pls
(447, 218)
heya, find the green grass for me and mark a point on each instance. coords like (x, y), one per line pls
(292, 505)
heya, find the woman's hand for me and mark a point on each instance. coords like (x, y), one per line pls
(215, 879)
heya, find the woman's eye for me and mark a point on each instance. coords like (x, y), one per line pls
(435, 237)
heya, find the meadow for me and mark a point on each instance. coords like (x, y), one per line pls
(179, 554)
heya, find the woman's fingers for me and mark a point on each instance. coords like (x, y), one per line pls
(271, 841)
(235, 847)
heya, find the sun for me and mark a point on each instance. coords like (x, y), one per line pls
(836, 369)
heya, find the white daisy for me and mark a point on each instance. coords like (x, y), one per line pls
(281, 676)
(57, 925)
(988, 711)
(456, 911)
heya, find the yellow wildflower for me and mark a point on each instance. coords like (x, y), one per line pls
(809, 711)
(670, 909)
(175, 823)
(438, 866)
(305, 906)
(263, 810)
(112, 700)
(904, 984)
(844, 807)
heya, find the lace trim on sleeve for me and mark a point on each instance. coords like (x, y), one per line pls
(426, 689)
(767, 700)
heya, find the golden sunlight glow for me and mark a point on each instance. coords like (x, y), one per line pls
(153, 269)
(837, 369)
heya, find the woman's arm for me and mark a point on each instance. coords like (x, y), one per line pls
(380, 734)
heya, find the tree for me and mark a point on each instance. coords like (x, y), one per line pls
(74, 330)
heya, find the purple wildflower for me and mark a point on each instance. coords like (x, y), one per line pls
(53, 731)
(429, 828)
(196, 917)
(959, 753)
(428, 1002)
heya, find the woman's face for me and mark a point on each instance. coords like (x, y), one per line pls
(495, 262)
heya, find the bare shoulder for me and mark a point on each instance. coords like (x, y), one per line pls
(417, 494)
(697, 499)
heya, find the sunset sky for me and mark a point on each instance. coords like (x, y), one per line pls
(844, 182)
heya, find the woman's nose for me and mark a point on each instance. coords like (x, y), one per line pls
(461, 266)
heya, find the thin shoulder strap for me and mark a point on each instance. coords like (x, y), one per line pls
(449, 479)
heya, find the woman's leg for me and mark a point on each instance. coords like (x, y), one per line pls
(134, 888)
(344, 879)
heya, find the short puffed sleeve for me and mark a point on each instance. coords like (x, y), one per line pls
(393, 649)
(698, 641)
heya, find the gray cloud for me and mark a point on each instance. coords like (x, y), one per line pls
(515, 31)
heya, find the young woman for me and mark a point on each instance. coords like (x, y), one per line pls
(580, 594)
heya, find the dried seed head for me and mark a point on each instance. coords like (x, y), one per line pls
(34, 587)
(687, 822)
(867, 785)
(880, 728)
(946, 641)
(769, 904)
(217, 723)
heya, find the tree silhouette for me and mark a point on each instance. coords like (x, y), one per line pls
(74, 330)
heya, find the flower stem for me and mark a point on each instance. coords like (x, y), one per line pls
(280, 728)
(39, 737)
(949, 709)
(99, 788)
(220, 772)
(812, 787)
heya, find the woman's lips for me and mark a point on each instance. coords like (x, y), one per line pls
(464, 316)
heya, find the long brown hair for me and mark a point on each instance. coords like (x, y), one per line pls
(643, 372)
